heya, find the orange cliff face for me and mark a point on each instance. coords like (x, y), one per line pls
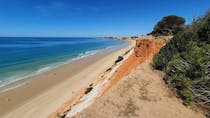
(148, 46)
(145, 49)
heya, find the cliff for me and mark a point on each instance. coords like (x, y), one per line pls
(138, 91)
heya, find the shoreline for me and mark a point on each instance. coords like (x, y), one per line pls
(85, 97)
(16, 99)
(19, 82)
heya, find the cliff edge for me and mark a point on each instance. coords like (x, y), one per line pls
(142, 93)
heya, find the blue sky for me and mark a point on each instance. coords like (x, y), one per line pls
(91, 17)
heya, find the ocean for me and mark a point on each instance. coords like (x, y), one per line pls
(22, 57)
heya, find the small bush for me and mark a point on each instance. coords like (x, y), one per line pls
(109, 69)
(90, 88)
(204, 31)
(187, 96)
(120, 58)
(127, 52)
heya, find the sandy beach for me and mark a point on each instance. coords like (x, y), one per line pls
(41, 95)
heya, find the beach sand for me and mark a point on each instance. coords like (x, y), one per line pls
(43, 94)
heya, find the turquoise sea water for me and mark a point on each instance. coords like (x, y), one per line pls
(21, 57)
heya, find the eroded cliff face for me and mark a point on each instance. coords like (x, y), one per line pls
(148, 46)
(144, 51)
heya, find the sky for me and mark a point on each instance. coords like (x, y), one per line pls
(75, 18)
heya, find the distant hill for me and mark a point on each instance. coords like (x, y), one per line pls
(186, 61)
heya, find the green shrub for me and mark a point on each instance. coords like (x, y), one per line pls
(88, 90)
(204, 31)
(120, 58)
(187, 96)
(169, 25)
(183, 86)
(183, 59)
(127, 52)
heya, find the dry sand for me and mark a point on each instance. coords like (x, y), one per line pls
(45, 93)
(141, 94)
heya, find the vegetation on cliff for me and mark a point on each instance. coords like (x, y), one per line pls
(169, 25)
(186, 61)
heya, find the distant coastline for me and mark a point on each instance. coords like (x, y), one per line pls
(121, 37)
